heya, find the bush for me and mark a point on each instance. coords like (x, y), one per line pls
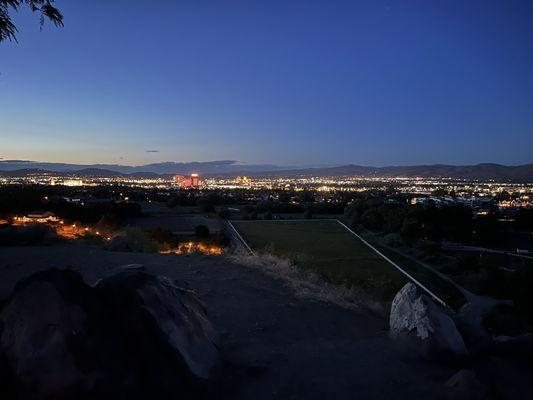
(392, 239)
(135, 240)
(504, 320)
(224, 213)
(108, 223)
(172, 202)
(430, 250)
(28, 236)
(222, 240)
(163, 236)
(206, 204)
(202, 231)
(92, 239)
(522, 293)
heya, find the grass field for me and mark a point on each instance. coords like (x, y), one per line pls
(443, 289)
(327, 248)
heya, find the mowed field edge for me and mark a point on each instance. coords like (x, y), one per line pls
(330, 250)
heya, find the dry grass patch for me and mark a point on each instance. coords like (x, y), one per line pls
(309, 285)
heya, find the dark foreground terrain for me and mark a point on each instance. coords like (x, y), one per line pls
(274, 344)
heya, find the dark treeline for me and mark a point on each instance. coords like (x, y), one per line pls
(265, 203)
(432, 222)
(386, 212)
(24, 199)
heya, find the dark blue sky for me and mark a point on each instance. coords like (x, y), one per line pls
(290, 82)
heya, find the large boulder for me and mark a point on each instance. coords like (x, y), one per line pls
(45, 338)
(132, 336)
(414, 315)
(176, 311)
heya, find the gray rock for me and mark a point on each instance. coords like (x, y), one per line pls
(178, 313)
(44, 334)
(132, 336)
(415, 315)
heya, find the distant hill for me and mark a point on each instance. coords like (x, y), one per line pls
(95, 173)
(82, 173)
(520, 173)
(25, 172)
(209, 167)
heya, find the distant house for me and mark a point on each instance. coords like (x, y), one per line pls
(45, 217)
(87, 200)
(515, 203)
(72, 199)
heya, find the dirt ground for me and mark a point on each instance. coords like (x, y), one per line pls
(275, 344)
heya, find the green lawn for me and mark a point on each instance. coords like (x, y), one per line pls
(443, 289)
(328, 249)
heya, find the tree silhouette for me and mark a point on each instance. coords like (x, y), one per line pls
(8, 30)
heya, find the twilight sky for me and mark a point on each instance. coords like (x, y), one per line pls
(291, 82)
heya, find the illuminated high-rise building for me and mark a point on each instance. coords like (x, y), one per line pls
(192, 182)
(195, 181)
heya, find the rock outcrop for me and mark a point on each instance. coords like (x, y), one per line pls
(132, 336)
(414, 315)
(178, 313)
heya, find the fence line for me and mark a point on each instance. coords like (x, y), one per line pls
(407, 274)
(419, 284)
(241, 238)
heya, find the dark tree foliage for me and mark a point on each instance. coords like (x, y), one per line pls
(109, 222)
(264, 205)
(202, 231)
(306, 196)
(205, 204)
(28, 236)
(413, 223)
(439, 192)
(524, 220)
(25, 199)
(45, 8)
(224, 213)
(161, 235)
(487, 230)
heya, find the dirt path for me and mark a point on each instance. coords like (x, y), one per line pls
(276, 345)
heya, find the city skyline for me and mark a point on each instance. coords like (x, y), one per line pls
(300, 84)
